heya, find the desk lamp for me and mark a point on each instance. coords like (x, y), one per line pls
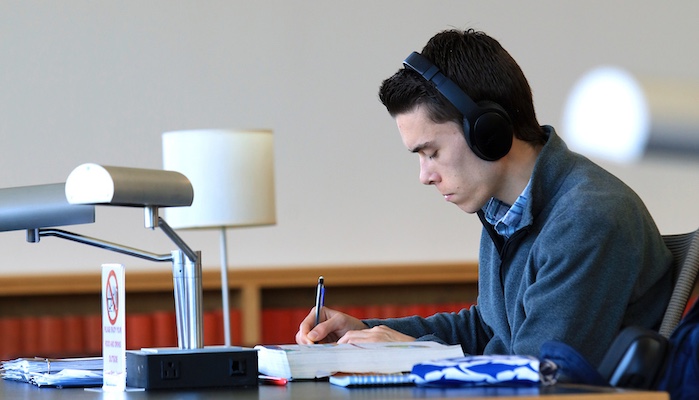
(151, 189)
(232, 173)
(40, 208)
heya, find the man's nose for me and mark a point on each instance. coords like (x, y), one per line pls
(427, 176)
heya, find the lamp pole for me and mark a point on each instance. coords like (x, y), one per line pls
(225, 288)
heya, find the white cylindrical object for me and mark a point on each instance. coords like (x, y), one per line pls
(123, 186)
(232, 173)
(606, 115)
(613, 114)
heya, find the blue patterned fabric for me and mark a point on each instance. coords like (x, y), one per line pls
(483, 370)
(507, 219)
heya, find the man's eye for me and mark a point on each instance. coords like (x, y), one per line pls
(433, 155)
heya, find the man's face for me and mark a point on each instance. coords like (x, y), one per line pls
(447, 162)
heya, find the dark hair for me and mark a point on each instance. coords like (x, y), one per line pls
(479, 65)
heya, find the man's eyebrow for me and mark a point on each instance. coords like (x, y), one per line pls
(420, 147)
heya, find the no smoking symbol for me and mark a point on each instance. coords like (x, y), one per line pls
(112, 297)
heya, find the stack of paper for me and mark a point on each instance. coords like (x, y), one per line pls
(63, 372)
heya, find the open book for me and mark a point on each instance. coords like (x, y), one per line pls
(299, 361)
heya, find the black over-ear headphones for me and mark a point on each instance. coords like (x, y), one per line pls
(487, 126)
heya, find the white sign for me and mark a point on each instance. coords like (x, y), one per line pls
(113, 328)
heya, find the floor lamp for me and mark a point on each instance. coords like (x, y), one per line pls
(232, 173)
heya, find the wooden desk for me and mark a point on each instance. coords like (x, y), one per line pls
(326, 391)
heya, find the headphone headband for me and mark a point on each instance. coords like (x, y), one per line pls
(487, 127)
(420, 64)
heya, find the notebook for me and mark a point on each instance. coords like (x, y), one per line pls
(348, 380)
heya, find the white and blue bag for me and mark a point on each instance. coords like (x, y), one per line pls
(483, 370)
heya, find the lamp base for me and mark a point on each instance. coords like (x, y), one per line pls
(173, 368)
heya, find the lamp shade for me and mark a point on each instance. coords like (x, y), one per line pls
(232, 173)
(122, 186)
(616, 115)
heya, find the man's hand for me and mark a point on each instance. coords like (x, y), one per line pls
(335, 324)
(379, 333)
(342, 328)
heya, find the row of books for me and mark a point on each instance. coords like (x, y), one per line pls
(81, 335)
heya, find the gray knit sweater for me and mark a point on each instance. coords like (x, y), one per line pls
(588, 261)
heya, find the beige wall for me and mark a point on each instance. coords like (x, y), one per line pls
(99, 81)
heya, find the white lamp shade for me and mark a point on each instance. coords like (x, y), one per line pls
(232, 173)
(619, 116)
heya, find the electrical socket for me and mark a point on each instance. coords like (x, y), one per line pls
(169, 370)
(236, 367)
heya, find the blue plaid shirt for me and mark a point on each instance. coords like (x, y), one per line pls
(505, 218)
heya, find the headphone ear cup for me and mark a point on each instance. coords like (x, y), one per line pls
(490, 135)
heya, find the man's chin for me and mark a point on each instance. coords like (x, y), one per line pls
(470, 209)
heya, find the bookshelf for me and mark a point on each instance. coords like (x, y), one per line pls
(253, 291)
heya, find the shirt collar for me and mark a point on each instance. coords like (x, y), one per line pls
(506, 219)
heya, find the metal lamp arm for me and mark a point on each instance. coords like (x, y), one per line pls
(186, 278)
(33, 235)
(192, 255)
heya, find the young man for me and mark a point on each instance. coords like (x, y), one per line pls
(568, 252)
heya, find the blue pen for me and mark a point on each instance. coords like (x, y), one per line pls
(320, 298)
